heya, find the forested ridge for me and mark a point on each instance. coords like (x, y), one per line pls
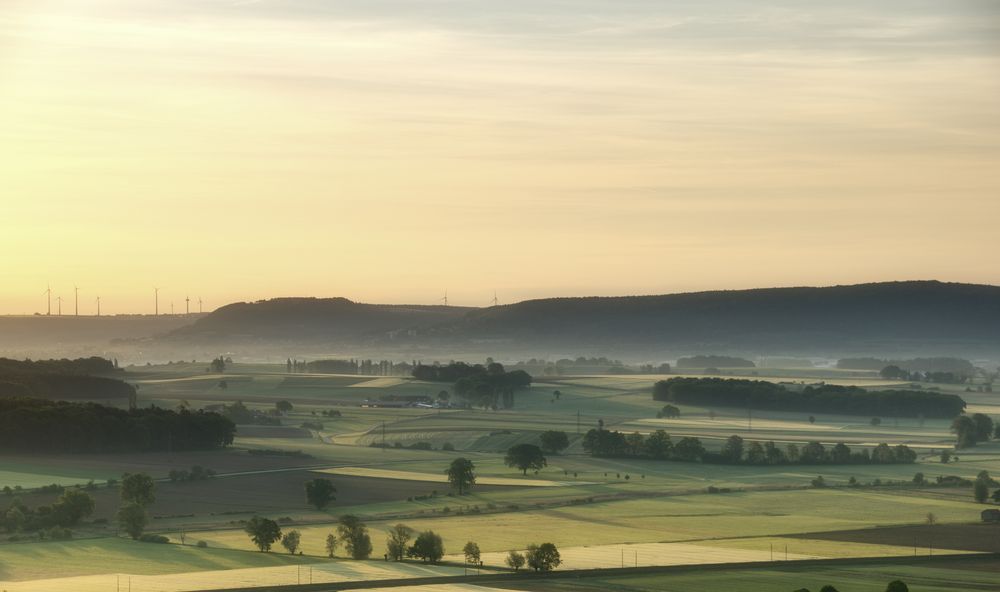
(84, 378)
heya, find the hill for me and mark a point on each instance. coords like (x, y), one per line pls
(883, 317)
(892, 317)
(326, 320)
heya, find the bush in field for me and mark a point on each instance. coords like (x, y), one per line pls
(460, 474)
(515, 560)
(524, 457)
(291, 541)
(544, 557)
(981, 487)
(154, 538)
(897, 586)
(554, 441)
(263, 532)
(399, 537)
(354, 534)
(428, 547)
(331, 544)
(471, 552)
(132, 518)
(320, 492)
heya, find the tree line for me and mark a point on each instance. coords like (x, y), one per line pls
(401, 542)
(825, 398)
(660, 446)
(85, 366)
(38, 425)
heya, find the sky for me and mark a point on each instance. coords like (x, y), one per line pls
(393, 150)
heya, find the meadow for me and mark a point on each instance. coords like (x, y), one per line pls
(596, 510)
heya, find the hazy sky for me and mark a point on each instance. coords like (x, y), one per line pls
(388, 150)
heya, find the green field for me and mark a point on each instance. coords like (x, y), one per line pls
(599, 507)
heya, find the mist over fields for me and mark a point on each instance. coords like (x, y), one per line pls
(884, 319)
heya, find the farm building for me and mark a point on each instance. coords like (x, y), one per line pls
(991, 515)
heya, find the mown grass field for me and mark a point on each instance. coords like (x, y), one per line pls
(956, 576)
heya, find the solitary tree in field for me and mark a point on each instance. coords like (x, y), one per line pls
(524, 457)
(554, 441)
(515, 560)
(428, 547)
(669, 412)
(397, 540)
(263, 532)
(291, 541)
(472, 554)
(544, 557)
(331, 544)
(897, 586)
(283, 407)
(138, 488)
(320, 492)
(354, 534)
(460, 474)
(132, 519)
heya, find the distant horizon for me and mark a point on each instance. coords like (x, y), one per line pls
(459, 304)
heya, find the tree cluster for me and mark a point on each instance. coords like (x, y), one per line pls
(489, 386)
(47, 426)
(66, 512)
(970, 431)
(848, 400)
(660, 446)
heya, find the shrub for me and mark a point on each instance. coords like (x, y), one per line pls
(154, 538)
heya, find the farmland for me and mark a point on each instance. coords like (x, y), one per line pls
(388, 464)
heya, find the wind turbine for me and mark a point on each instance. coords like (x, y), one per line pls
(187, 305)
(199, 305)
(76, 301)
(59, 302)
(445, 299)
(98, 306)
(156, 300)
(48, 294)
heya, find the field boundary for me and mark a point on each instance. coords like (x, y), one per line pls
(507, 578)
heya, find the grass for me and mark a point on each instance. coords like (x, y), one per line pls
(686, 518)
(958, 577)
(109, 555)
(601, 505)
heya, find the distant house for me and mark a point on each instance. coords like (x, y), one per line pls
(991, 515)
